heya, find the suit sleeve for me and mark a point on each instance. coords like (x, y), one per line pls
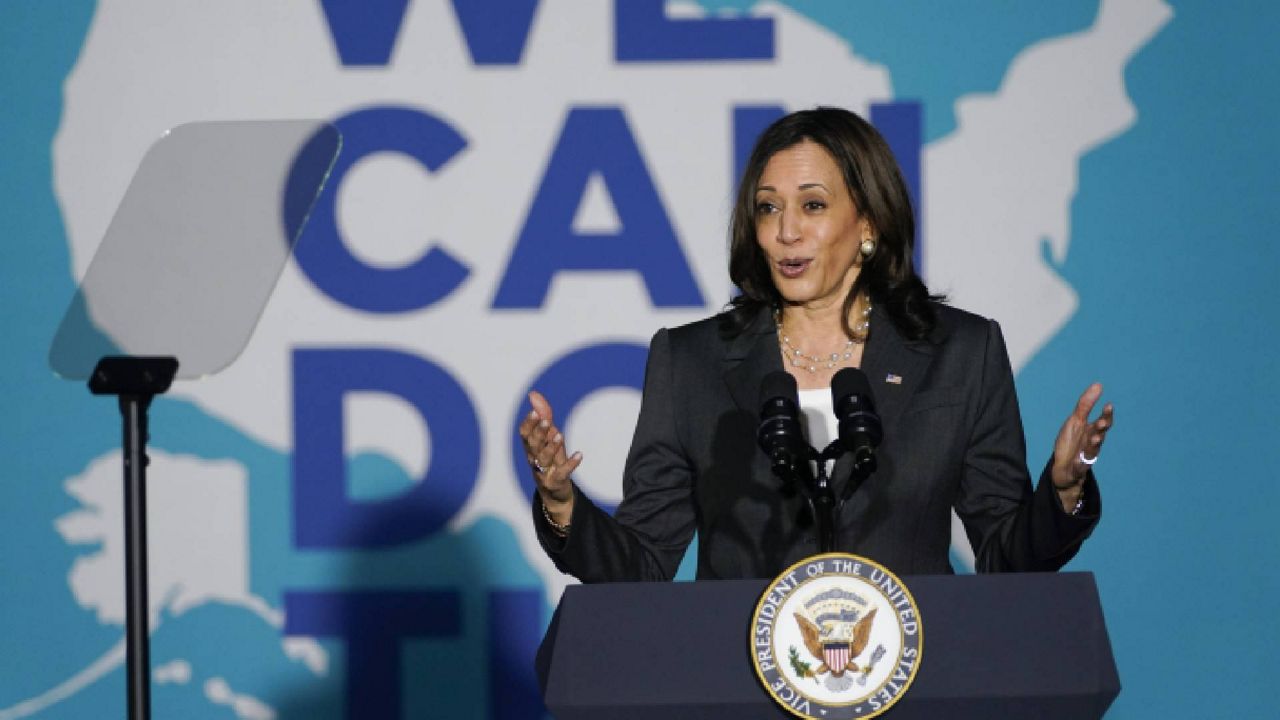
(1011, 527)
(651, 530)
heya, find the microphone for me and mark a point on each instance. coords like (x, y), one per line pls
(780, 435)
(859, 425)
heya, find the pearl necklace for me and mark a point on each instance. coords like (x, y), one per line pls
(799, 359)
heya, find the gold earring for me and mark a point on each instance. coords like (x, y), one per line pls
(868, 247)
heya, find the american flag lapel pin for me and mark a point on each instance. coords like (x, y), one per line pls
(893, 379)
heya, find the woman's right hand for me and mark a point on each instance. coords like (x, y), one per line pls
(552, 468)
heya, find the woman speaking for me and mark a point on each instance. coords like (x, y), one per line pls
(820, 246)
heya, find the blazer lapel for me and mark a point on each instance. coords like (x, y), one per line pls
(894, 367)
(749, 357)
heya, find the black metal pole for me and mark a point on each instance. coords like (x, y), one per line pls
(135, 381)
(133, 408)
(817, 491)
(824, 510)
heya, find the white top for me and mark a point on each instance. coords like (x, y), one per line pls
(818, 418)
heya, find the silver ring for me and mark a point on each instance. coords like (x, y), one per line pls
(1085, 460)
(538, 466)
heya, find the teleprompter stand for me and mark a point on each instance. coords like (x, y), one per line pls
(175, 290)
(135, 381)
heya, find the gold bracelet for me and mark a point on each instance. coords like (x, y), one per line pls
(557, 528)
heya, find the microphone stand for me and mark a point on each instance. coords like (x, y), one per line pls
(818, 492)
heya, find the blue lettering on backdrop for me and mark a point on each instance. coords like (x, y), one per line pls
(749, 121)
(597, 140)
(902, 125)
(365, 31)
(324, 516)
(644, 33)
(570, 380)
(515, 631)
(496, 30)
(324, 257)
(373, 624)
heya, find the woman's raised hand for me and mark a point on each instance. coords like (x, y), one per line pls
(552, 468)
(1078, 445)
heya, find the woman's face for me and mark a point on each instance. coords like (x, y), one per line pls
(808, 227)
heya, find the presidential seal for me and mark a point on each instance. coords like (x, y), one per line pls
(837, 637)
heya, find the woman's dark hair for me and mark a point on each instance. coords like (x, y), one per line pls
(879, 193)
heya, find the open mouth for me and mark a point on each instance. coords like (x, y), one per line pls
(793, 267)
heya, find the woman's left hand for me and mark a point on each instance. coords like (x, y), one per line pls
(1078, 444)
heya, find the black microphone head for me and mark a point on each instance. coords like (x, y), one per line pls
(779, 385)
(849, 381)
(780, 434)
(855, 410)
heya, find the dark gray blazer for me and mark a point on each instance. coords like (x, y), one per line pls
(952, 438)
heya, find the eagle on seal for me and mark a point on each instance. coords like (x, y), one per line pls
(837, 644)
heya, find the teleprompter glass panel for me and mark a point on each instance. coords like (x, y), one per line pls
(197, 245)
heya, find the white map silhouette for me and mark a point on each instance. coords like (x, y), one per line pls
(198, 542)
(996, 188)
(244, 706)
(1003, 182)
(198, 552)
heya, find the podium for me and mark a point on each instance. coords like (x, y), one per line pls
(1028, 645)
